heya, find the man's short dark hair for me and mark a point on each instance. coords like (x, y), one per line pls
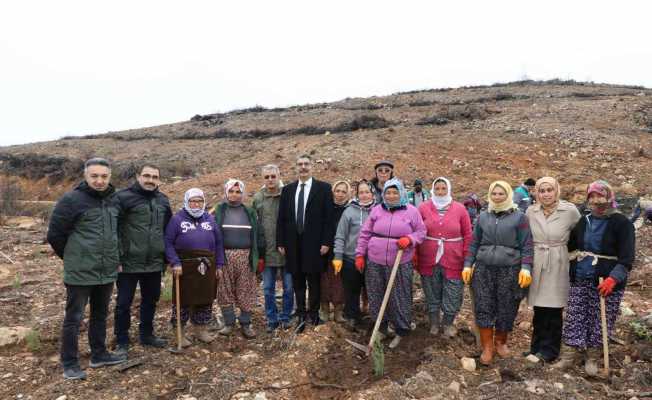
(304, 156)
(530, 182)
(97, 161)
(149, 165)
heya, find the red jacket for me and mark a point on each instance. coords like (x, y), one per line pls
(455, 224)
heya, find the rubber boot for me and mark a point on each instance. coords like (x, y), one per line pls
(434, 324)
(185, 342)
(500, 340)
(338, 316)
(568, 357)
(591, 362)
(325, 312)
(487, 341)
(202, 333)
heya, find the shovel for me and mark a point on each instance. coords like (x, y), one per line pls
(177, 350)
(476, 330)
(367, 349)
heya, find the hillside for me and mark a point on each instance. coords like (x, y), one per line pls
(577, 132)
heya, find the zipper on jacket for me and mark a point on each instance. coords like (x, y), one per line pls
(103, 240)
(152, 221)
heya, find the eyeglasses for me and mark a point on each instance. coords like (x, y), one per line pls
(384, 170)
(269, 176)
(195, 201)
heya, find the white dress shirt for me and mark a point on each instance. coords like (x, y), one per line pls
(306, 192)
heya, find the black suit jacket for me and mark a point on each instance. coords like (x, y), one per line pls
(318, 227)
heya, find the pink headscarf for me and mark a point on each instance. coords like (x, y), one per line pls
(604, 189)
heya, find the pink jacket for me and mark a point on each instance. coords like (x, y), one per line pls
(381, 230)
(455, 228)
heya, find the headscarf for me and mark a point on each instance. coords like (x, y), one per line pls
(472, 201)
(348, 191)
(506, 205)
(190, 193)
(403, 199)
(552, 182)
(229, 185)
(604, 189)
(441, 202)
(373, 198)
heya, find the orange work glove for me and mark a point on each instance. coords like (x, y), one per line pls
(403, 243)
(359, 263)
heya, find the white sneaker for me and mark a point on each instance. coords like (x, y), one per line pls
(395, 342)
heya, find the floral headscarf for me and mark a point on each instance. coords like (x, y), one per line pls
(232, 183)
(604, 189)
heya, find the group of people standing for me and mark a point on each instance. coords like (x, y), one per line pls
(335, 246)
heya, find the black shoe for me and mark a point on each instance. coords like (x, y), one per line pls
(315, 320)
(352, 324)
(74, 372)
(121, 350)
(154, 341)
(300, 325)
(106, 359)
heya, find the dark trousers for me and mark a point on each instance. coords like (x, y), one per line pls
(77, 296)
(150, 292)
(497, 296)
(299, 280)
(353, 282)
(546, 335)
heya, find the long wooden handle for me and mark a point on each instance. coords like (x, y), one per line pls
(605, 334)
(476, 330)
(388, 291)
(176, 281)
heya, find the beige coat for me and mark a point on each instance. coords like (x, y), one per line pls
(550, 281)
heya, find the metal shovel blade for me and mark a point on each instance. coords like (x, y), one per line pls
(358, 346)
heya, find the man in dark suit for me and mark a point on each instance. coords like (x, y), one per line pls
(304, 234)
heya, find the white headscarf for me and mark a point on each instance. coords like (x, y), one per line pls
(194, 192)
(441, 202)
(231, 183)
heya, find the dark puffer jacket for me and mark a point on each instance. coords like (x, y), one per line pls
(83, 231)
(142, 229)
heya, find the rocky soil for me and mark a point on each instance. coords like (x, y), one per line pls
(576, 132)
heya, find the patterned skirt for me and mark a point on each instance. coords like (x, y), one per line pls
(238, 284)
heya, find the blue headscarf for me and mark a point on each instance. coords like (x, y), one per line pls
(403, 200)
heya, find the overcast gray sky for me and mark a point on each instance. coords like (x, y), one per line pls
(81, 67)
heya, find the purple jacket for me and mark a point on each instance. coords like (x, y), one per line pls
(381, 230)
(185, 232)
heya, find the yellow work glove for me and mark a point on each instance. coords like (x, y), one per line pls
(467, 274)
(337, 266)
(524, 278)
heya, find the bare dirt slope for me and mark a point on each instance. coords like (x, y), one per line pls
(577, 132)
